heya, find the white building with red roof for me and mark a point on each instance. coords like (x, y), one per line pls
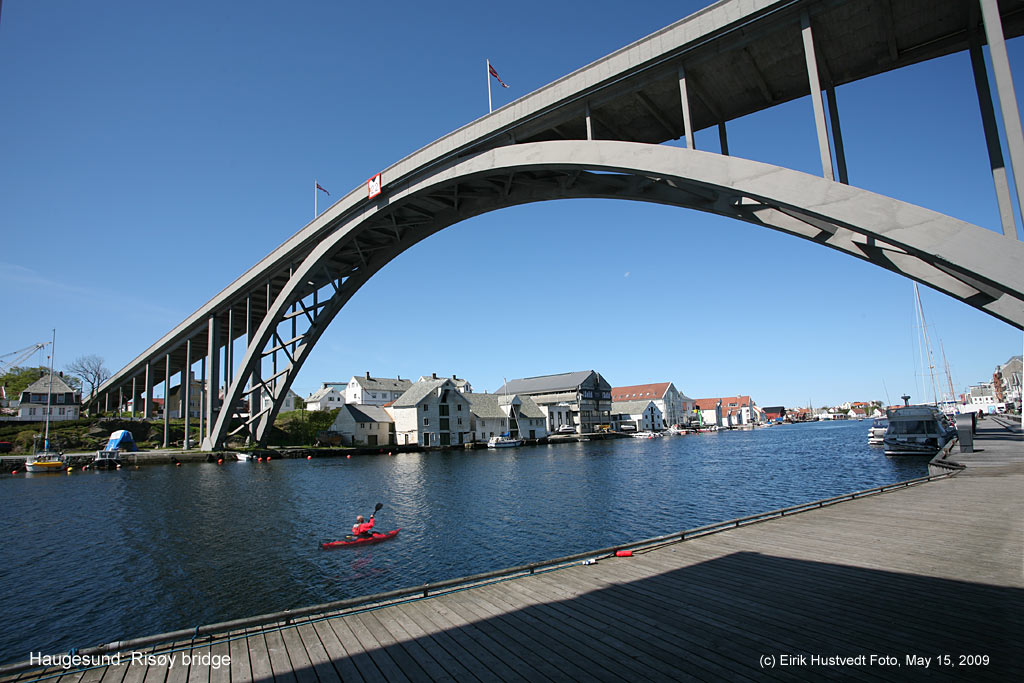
(675, 407)
(729, 411)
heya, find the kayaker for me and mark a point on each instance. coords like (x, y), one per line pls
(361, 527)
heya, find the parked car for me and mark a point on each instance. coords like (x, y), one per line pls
(6, 446)
(566, 429)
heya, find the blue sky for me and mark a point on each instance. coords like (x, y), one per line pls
(152, 152)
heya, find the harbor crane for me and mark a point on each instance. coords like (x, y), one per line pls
(19, 356)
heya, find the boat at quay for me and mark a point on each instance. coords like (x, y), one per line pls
(460, 514)
(918, 430)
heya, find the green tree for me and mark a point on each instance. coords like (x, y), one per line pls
(16, 380)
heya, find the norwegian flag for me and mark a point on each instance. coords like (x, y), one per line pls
(322, 189)
(495, 74)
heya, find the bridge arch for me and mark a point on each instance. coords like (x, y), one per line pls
(967, 262)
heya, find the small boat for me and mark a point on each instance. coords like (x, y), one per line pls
(503, 441)
(646, 435)
(917, 430)
(45, 462)
(245, 457)
(351, 540)
(876, 435)
(107, 460)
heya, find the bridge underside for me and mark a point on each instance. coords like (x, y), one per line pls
(593, 134)
(974, 265)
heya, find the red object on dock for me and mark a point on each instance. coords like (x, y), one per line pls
(623, 553)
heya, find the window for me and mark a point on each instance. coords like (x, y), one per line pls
(460, 421)
(442, 409)
(426, 422)
(459, 407)
(60, 398)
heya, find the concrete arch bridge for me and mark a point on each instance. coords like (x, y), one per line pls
(597, 133)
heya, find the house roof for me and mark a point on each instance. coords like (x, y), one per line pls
(367, 413)
(548, 383)
(320, 393)
(710, 403)
(632, 407)
(640, 391)
(417, 392)
(382, 383)
(487, 406)
(42, 386)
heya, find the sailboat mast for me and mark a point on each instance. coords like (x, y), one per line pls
(927, 346)
(949, 375)
(49, 393)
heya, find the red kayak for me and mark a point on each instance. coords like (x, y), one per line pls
(351, 540)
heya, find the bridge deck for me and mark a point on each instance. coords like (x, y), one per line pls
(933, 570)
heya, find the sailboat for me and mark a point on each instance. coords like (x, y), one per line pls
(506, 440)
(47, 460)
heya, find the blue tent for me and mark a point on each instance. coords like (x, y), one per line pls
(121, 439)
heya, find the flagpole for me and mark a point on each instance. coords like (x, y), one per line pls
(490, 109)
(314, 198)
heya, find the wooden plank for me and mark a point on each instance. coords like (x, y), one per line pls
(240, 670)
(489, 667)
(608, 609)
(387, 620)
(179, 672)
(640, 634)
(385, 643)
(198, 673)
(601, 648)
(279, 661)
(259, 655)
(560, 650)
(302, 666)
(362, 659)
(400, 622)
(221, 652)
(513, 652)
(318, 658)
(336, 652)
(450, 645)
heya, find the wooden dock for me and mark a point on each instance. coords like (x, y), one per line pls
(852, 591)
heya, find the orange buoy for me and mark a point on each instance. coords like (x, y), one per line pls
(268, 458)
(309, 457)
(348, 456)
(623, 553)
(220, 461)
(177, 464)
(14, 471)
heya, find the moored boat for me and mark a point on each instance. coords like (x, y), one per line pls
(107, 460)
(45, 462)
(917, 430)
(503, 441)
(876, 434)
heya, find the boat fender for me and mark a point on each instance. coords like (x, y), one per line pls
(14, 471)
(71, 469)
(349, 457)
(177, 464)
(623, 553)
(268, 458)
(220, 461)
(259, 459)
(309, 457)
(590, 561)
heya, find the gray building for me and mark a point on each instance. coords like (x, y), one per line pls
(585, 395)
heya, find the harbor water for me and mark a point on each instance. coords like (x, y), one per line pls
(92, 557)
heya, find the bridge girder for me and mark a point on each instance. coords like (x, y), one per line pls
(967, 262)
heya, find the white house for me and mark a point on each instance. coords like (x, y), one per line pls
(494, 414)
(364, 425)
(462, 385)
(432, 412)
(375, 391)
(292, 401)
(676, 408)
(586, 393)
(643, 416)
(325, 398)
(64, 402)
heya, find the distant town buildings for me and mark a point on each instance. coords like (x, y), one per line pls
(584, 397)
(729, 411)
(675, 408)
